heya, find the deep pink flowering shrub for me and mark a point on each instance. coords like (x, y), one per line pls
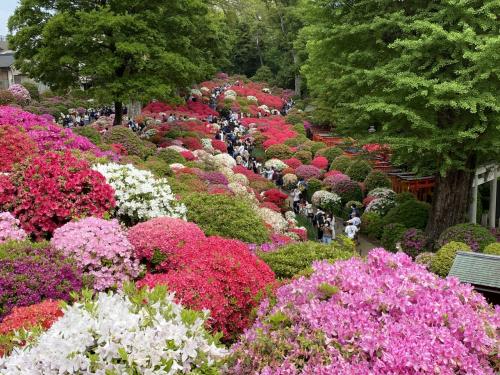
(157, 240)
(385, 315)
(414, 242)
(15, 147)
(20, 93)
(9, 228)
(330, 180)
(53, 188)
(100, 248)
(307, 172)
(320, 162)
(215, 178)
(293, 163)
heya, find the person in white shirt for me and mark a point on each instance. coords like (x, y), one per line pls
(351, 230)
(355, 221)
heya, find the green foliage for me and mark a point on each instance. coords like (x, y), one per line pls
(170, 156)
(134, 145)
(279, 151)
(226, 216)
(341, 163)
(474, 235)
(259, 154)
(313, 185)
(393, 233)
(377, 179)
(359, 170)
(299, 128)
(6, 97)
(144, 49)
(296, 141)
(303, 221)
(295, 119)
(316, 146)
(372, 225)
(32, 89)
(263, 74)
(304, 156)
(443, 260)
(330, 153)
(404, 197)
(412, 214)
(89, 132)
(157, 166)
(18, 249)
(293, 259)
(492, 249)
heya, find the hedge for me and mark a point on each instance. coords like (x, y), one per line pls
(443, 260)
(372, 225)
(341, 163)
(492, 248)
(393, 233)
(411, 214)
(359, 170)
(377, 179)
(474, 235)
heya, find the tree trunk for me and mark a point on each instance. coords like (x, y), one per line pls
(452, 195)
(298, 78)
(118, 113)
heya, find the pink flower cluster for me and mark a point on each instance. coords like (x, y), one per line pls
(320, 162)
(9, 228)
(382, 315)
(20, 92)
(307, 172)
(274, 129)
(100, 248)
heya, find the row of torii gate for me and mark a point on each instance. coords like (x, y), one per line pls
(486, 174)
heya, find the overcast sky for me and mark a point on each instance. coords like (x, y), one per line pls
(6, 9)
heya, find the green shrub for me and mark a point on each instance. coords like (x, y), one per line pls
(157, 166)
(377, 179)
(89, 132)
(33, 90)
(341, 163)
(279, 151)
(170, 156)
(492, 249)
(348, 190)
(259, 154)
(296, 141)
(443, 260)
(404, 197)
(411, 214)
(294, 119)
(425, 259)
(372, 225)
(131, 159)
(304, 156)
(392, 234)
(6, 97)
(296, 258)
(226, 216)
(330, 153)
(316, 146)
(359, 170)
(474, 235)
(185, 183)
(313, 185)
(18, 249)
(129, 140)
(299, 128)
(303, 221)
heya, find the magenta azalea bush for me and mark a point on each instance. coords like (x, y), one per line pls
(384, 315)
(308, 171)
(20, 92)
(10, 229)
(100, 248)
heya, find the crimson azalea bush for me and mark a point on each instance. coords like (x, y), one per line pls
(157, 240)
(53, 188)
(219, 145)
(276, 196)
(218, 274)
(320, 162)
(15, 147)
(39, 316)
(293, 163)
(30, 274)
(100, 248)
(382, 315)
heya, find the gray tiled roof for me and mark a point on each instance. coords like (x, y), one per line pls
(6, 59)
(481, 270)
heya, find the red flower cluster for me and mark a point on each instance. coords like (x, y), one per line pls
(51, 190)
(15, 147)
(274, 129)
(188, 155)
(276, 196)
(293, 163)
(218, 274)
(219, 145)
(119, 149)
(192, 143)
(271, 206)
(320, 162)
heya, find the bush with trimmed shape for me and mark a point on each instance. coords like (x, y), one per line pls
(474, 235)
(359, 170)
(411, 214)
(377, 179)
(443, 260)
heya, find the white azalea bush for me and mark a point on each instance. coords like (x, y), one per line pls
(224, 160)
(277, 222)
(139, 195)
(385, 193)
(130, 332)
(276, 164)
(380, 206)
(326, 200)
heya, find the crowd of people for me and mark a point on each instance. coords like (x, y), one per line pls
(83, 116)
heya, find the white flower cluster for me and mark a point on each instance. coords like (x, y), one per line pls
(326, 200)
(382, 193)
(230, 95)
(139, 195)
(113, 335)
(380, 206)
(252, 98)
(274, 219)
(276, 164)
(224, 160)
(290, 180)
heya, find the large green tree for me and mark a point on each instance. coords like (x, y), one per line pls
(424, 72)
(121, 49)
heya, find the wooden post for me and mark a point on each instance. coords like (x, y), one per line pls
(473, 206)
(493, 199)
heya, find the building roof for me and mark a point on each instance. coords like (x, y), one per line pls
(6, 59)
(480, 270)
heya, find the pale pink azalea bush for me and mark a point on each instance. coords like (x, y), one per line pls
(20, 92)
(10, 229)
(385, 315)
(101, 249)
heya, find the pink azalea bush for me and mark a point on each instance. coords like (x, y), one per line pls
(307, 172)
(385, 315)
(100, 248)
(320, 162)
(9, 228)
(20, 92)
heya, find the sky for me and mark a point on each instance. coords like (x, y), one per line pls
(6, 9)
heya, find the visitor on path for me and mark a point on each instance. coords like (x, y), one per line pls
(356, 221)
(296, 196)
(354, 211)
(351, 231)
(319, 222)
(328, 230)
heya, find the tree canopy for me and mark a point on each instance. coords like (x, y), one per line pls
(120, 49)
(425, 73)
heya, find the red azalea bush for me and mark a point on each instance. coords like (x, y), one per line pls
(275, 196)
(188, 155)
(51, 189)
(192, 143)
(293, 163)
(41, 315)
(15, 147)
(157, 241)
(271, 206)
(221, 275)
(320, 162)
(307, 172)
(219, 145)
